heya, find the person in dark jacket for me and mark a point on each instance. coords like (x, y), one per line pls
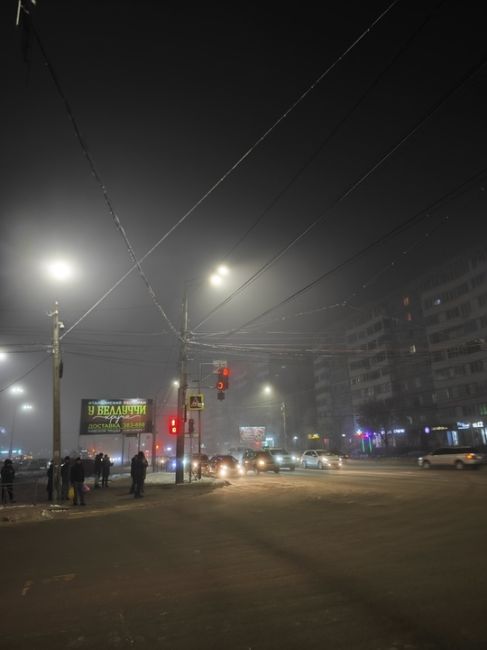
(139, 474)
(77, 476)
(98, 468)
(50, 481)
(7, 475)
(65, 477)
(133, 463)
(106, 463)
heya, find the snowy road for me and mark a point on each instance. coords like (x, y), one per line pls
(368, 557)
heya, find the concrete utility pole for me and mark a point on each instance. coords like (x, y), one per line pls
(284, 425)
(56, 400)
(183, 385)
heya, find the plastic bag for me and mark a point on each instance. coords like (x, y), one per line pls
(86, 488)
(71, 492)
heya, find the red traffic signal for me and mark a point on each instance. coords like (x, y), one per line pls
(222, 381)
(174, 427)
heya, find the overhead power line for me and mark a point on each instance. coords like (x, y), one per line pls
(404, 225)
(137, 262)
(351, 188)
(314, 155)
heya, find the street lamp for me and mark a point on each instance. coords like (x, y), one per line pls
(268, 390)
(22, 407)
(216, 279)
(60, 271)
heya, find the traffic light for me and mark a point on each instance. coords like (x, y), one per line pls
(174, 427)
(222, 381)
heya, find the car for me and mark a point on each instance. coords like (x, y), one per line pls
(223, 466)
(168, 464)
(321, 459)
(259, 461)
(198, 460)
(283, 458)
(457, 457)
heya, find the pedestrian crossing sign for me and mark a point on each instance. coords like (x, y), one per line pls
(196, 402)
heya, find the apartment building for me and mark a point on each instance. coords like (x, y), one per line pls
(422, 354)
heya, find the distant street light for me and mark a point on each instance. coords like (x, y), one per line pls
(22, 407)
(3, 355)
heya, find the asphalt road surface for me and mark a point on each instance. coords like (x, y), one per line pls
(367, 557)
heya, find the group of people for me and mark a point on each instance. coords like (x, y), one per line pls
(102, 469)
(72, 474)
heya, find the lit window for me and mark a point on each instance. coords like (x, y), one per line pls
(409, 316)
(412, 349)
(405, 301)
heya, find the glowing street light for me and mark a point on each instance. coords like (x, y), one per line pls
(59, 270)
(22, 407)
(217, 277)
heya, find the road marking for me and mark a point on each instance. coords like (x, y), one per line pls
(64, 577)
(28, 584)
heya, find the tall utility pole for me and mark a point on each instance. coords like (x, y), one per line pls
(183, 385)
(56, 400)
(284, 425)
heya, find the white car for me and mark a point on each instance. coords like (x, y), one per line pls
(321, 459)
(283, 458)
(457, 457)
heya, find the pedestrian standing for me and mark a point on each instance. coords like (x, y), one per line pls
(77, 476)
(7, 474)
(50, 481)
(133, 464)
(65, 477)
(98, 468)
(140, 472)
(105, 470)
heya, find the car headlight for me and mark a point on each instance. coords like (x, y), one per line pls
(261, 463)
(279, 459)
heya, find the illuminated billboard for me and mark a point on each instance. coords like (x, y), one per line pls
(252, 436)
(130, 416)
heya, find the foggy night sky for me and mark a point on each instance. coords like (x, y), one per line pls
(168, 98)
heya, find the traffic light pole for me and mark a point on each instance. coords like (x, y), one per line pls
(183, 385)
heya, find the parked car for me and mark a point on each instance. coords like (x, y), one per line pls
(259, 461)
(321, 459)
(223, 466)
(457, 457)
(283, 458)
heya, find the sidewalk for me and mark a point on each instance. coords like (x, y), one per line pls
(114, 498)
